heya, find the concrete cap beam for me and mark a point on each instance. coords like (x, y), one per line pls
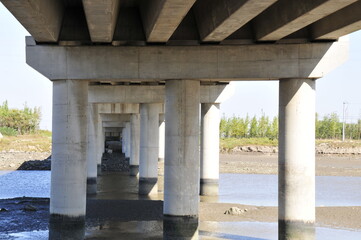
(101, 17)
(288, 16)
(113, 129)
(152, 94)
(162, 17)
(217, 20)
(41, 18)
(113, 124)
(117, 108)
(206, 63)
(340, 23)
(115, 117)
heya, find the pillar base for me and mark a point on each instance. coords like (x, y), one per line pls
(296, 230)
(209, 187)
(177, 227)
(148, 186)
(99, 169)
(134, 170)
(65, 227)
(91, 186)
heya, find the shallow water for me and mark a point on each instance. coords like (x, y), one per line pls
(250, 189)
(207, 230)
(261, 190)
(24, 183)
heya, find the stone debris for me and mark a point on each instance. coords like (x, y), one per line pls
(235, 211)
(322, 148)
(30, 208)
(3, 210)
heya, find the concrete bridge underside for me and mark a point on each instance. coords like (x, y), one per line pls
(156, 71)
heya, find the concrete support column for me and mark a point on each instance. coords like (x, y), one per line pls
(128, 140)
(92, 154)
(100, 145)
(135, 137)
(149, 134)
(210, 119)
(296, 171)
(68, 165)
(161, 137)
(124, 136)
(181, 166)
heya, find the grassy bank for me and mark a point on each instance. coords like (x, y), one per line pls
(41, 142)
(38, 142)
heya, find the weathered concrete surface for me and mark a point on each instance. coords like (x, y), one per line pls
(340, 23)
(101, 18)
(149, 148)
(135, 148)
(296, 171)
(162, 17)
(92, 149)
(41, 18)
(217, 20)
(69, 171)
(288, 16)
(105, 95)
(181, 166)
(209, 172)
(115, 108)
(212, 63)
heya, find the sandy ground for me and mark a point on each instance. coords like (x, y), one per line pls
(13, 160)
(255, 163)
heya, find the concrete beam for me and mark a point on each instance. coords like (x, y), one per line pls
(211, 63)
(162, 17)
(338, 24)
(115, 117)
(113, 129)
(117, 108)
(115, 124)
(288, 16)
(153, 94)
(41, 18)
(101, 17)
(216, 20)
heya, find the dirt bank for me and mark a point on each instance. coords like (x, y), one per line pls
(258, 163)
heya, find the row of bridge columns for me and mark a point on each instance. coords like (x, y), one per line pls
(188, 171)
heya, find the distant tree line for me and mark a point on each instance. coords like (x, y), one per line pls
(18, 121)
(330, 127)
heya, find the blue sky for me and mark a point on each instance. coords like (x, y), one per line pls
(21, 84)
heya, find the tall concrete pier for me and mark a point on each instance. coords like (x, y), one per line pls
(123, 57)
(296, 167)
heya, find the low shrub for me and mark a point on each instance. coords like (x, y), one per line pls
(7, 131)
